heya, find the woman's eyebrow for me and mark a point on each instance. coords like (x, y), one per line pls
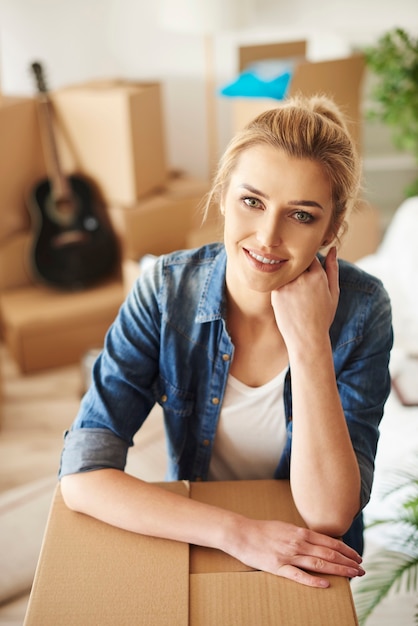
(252, 189)
(306, 203)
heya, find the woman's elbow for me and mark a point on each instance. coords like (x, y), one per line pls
(333, 523)
(70, 491)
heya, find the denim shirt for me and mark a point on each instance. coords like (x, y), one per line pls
(169, 344)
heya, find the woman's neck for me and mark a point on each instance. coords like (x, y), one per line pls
(260, 352)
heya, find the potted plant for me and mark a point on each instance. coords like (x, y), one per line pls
(393, 61)
(393, 570)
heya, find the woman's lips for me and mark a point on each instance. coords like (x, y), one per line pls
(267, 263)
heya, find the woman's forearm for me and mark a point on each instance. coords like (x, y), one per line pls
(124, 501)
(325, 476)
(273, 546)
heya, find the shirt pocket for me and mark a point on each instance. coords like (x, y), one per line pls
(178, 406)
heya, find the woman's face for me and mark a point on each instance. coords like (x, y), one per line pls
(278, 213)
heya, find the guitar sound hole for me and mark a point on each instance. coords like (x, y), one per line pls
(62, 211)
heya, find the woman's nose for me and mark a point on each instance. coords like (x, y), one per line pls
(270, 231)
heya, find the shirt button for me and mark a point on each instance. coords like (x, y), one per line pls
(164, 398)
(215, 400)
(225, 357)
(206, 442)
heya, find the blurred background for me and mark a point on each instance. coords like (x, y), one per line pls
(83, 40)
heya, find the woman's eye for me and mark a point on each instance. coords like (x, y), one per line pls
(253, 203)
(304, 217)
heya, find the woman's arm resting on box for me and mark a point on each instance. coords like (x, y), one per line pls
(279, 548)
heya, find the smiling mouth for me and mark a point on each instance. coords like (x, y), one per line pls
(264, 260)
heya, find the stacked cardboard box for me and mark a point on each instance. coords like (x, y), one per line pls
(113, 133)
(22, 164)
(341, 79)
(163, 222)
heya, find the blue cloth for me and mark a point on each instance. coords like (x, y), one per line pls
(248, 85)
(169, 344)
(265, 79)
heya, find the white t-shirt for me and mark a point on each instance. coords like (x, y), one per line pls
(251, 432)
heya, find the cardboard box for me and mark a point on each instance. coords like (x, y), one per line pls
(44, 328)
(155, 226)
(160, 223)
(91, 573)
(341, 79)
(14, 266)
(113, 132)
(363, 234)
(21, 162)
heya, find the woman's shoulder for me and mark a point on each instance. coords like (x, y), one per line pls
(354, 278)
(358, 288)
(195, 256)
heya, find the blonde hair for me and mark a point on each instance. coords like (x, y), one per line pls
(304, 128)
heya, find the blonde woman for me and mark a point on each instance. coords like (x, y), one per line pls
(269, 361)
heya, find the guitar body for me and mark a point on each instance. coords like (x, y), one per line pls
(73, 245)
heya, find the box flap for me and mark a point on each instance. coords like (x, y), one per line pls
(266, 499)
(263, 52)
(84, 559)
(249, 598)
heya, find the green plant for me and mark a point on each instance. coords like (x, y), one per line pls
(395, 570)
(394, 62)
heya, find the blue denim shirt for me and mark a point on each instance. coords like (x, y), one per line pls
(169, 344)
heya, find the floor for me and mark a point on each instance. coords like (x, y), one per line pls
(37, 409)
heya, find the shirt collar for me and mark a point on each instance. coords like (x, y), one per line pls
(212, 299)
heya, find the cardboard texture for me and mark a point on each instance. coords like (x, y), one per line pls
(363, 235)
(14, 270)
(160, 222)
(90, 573)
(22, 163)
(113, 132)
(44, 328)
(341, 79)
(156, 226)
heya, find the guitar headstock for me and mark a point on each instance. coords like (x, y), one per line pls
(39, 77)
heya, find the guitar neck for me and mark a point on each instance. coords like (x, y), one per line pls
(59, 183)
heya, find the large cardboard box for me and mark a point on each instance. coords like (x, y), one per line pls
(161, 222)
(113, 132)
(341, 79)
(14, 261)
(21, 162)
(90, 573)
(363, 235)
(44, 328)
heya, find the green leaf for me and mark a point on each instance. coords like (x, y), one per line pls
(392, 571)
(394, 63)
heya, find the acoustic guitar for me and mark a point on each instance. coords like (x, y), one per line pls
(74, 245)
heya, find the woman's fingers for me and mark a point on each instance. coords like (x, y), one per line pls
(301, 554)
(323, 566)
(318, 539)
(304, 578)
(331, 269)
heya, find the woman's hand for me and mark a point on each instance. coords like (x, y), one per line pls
(292, 552)
(306, 307)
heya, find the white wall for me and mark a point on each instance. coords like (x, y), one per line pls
(84, 39)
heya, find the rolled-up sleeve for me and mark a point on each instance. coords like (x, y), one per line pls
(88, 449)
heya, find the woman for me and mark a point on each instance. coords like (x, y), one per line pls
(268, 361)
